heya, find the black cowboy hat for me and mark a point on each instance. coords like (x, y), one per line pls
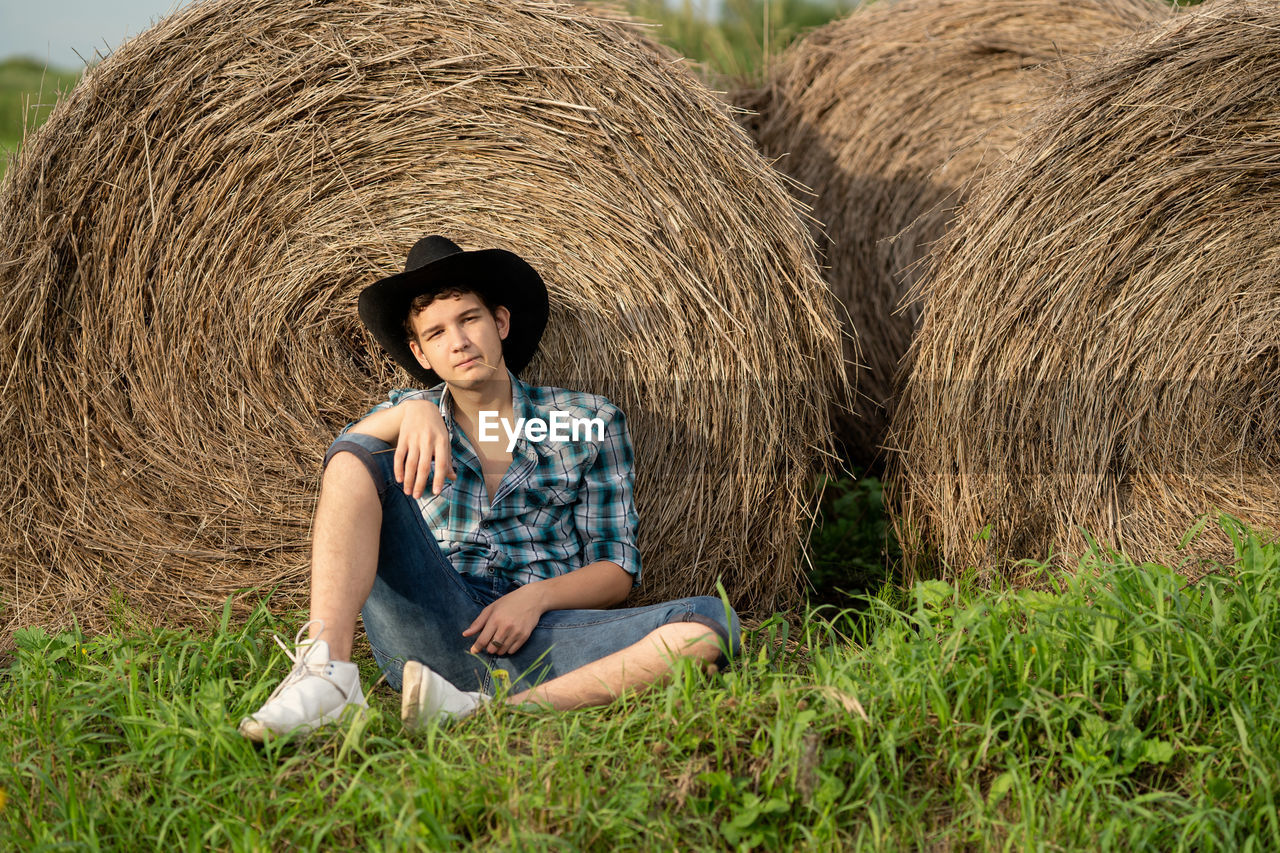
(436, 263)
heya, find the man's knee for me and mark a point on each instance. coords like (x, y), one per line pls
(345, 472)
(350, 463)
(345, 463)
(689, 639)
(716, 614)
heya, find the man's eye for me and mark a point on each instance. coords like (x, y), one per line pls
(433, 335)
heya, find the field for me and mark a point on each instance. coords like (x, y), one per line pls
(1124, 709)
(28, 91)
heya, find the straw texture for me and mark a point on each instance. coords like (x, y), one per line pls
(186, 237)
(887, 114)
(1100, 348)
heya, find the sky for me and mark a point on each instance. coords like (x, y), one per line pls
(53, 31)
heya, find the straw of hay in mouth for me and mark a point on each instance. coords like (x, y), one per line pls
(1100, 349)
(186, 237)
(887, 114)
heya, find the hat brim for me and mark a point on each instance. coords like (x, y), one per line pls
(503, 277)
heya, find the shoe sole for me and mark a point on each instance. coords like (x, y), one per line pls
(254, 730)
(421, 701)
(412, 686)
(259, 732)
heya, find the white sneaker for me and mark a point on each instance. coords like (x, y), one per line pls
(427, 695)
(316, 691)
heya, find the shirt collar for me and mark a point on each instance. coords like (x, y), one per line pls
(520, 403)
(446, 405)
(521, 407)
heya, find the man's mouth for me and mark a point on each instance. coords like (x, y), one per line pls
(467, 363)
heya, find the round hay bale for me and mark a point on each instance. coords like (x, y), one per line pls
(1100, 349)
(887, 114)
(187, 235)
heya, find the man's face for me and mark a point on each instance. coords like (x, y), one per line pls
(460, 340)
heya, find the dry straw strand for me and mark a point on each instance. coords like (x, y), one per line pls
(1099, 348)
(186, 236)
(888, 114)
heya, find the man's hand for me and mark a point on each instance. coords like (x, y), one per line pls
(502, 627)
(423, 438)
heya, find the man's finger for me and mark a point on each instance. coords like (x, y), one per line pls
(508, 635)
(401, 450)
(486, 637)
(478, 622)
(514, 645)
(494, 629)
(410, 468)
(443, 465)
(422, 475)
(499, 644)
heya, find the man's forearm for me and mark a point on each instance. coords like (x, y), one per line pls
(383, 425)
(601, 584)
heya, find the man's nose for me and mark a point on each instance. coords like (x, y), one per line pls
(458, 339)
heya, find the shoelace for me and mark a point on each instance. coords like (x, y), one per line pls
(300, 669)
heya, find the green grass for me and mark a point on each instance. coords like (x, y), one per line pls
(851, 550)
(1125, 711)
(749, 35)
(28, 91)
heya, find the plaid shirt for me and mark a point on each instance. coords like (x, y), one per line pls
(560, 506)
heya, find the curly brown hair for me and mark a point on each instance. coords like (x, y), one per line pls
(422, 300)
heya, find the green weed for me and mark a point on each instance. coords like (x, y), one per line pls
(28, 91)
(1128, 710)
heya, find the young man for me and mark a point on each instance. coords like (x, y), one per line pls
(526, 534)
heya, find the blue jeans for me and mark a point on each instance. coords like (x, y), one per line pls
(420, 604)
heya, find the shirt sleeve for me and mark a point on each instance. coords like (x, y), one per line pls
(605, 512)
(396, 397)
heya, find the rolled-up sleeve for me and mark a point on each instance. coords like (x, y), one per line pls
(605, 513)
